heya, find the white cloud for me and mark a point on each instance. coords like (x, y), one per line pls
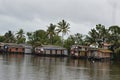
(38, 14)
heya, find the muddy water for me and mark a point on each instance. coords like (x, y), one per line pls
(28, 67)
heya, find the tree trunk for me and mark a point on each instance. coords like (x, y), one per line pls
(62, 40)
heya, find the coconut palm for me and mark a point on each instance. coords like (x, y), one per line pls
(99, 34)
(63, 27)
(102, 32)
(37, 38)
(114, 30)
(2, 38)
(115, 39)
(51, 32)
(92, 36)
(115, 35)
(79, 39)
(20, 36)
(31, 38)
(40, 36)
(9, 37)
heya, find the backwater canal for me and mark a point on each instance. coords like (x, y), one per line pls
(29, 67)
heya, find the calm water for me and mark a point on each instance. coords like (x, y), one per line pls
(27, 67)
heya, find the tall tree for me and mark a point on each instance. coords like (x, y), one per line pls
(63, 27)
(92, 36)
(2, 38)
(31, 38)
(9, 37)
(99, 34)
(115, 39)
(37, 38)
(73, 40)
(115, 33)
(51, 32)
(79, 39)
(69, 42)
(40, 36)
(102, 32)
(20, 36)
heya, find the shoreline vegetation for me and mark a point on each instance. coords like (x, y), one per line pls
(54, 35)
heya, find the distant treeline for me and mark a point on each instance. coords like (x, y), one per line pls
(55, 33)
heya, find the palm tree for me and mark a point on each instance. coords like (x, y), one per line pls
(99, 34)
(20, 36)
(63, 27)
(115, 36)
(114, 33)
(115, 40)
(40, 36)
(2, 38)
(51, 32)
(79, 39)
(37, 38)
(92, 36)
(31, 38)
(9, 37)
(103, 33)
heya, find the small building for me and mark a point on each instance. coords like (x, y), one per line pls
(51, 50)
(79, 51)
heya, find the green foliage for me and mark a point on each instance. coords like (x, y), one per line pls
(99, 34)
(79, 39)
(40, 36)
(20, 36)
(37, 38)
(114, 34)
(9, 37)
(69, 42)
(63, 27)
(2, 38)
(51, 32)
(117, 53)
(57, 40)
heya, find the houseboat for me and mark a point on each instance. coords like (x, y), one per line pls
(100, 53)
(79, 51)
(28, 49)
(92, 51)
(1, 47)
(12, 48)
(51, 50)
(15, 48)
(104, 54)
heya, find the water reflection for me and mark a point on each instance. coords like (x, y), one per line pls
(27, 67)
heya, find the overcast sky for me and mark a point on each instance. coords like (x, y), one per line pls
(82, 15)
